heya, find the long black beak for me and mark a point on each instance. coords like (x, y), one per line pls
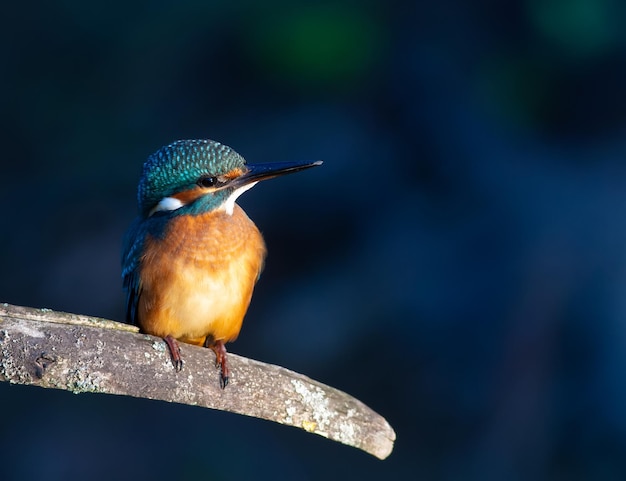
(257, 172)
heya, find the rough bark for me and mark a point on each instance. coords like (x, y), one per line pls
(84, 354)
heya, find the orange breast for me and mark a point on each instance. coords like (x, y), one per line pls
(198, 280)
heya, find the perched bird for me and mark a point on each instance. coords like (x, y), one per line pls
(192, 257)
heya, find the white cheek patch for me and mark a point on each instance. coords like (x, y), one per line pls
(229, 205)
(167, 203)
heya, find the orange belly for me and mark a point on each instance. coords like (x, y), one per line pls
(198, 280)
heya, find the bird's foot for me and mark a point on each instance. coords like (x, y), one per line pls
(174, 348)
(221, 361)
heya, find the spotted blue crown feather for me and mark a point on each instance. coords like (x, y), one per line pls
(179, 165)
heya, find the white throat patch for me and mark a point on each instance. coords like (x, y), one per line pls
(167, 203)
(229, 205)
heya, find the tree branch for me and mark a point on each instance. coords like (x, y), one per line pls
(78, 353)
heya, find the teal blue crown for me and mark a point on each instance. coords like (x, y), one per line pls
(178, 167)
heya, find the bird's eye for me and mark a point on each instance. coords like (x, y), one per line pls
(207, 181)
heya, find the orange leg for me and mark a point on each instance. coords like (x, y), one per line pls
(174, 348)
(221, 360)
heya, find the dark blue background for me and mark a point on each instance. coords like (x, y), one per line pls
(458, 263)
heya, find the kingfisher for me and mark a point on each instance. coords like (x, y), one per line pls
(192, 256)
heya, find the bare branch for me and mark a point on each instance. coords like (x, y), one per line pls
(84, 354)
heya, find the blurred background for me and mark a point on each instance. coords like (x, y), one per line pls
(458, 263)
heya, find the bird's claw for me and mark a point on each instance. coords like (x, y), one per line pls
(223, 380)
(221, 362)
(174, 348)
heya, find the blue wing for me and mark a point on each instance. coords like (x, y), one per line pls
(131, 257)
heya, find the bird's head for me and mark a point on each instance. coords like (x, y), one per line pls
(197, 176)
